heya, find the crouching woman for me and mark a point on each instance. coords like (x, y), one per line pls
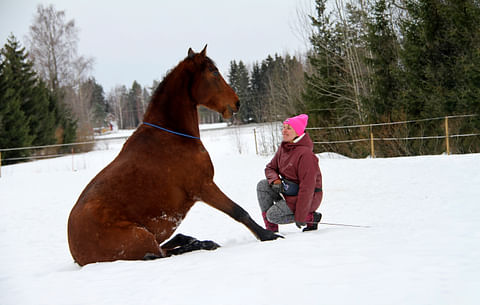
(292, 190)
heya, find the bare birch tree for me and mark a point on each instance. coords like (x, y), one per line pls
(53, 44)
(117, 99)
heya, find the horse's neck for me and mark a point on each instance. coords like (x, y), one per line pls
(172, 108)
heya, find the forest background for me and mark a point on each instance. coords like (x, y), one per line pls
(369, 61)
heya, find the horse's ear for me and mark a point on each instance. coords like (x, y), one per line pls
(190, 53)
(204, 51)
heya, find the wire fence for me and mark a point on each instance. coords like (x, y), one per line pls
(372, 134)
(366, 135)
(31, 153)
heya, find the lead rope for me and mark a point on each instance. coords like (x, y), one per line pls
(337, 224)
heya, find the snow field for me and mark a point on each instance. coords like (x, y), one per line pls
(422, 246)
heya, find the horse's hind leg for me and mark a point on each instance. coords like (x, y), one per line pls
(180, 244)
(137, 243)
(124, 242)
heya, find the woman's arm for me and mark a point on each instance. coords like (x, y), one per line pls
(307, 174)
(272, 170)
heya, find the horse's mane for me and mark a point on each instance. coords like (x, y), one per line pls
(175, 69)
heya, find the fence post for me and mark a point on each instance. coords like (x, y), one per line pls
(255, 136)
(73, 164)
(447, 140)
(372, 147)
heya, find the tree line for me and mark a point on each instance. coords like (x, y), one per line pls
(369, 61)
(269, 90)
(395, 60)
(372, 62)
(30, 113)
(47, 95)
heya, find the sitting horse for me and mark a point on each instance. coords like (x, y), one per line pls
(137, 202)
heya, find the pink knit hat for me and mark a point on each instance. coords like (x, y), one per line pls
(298, 123)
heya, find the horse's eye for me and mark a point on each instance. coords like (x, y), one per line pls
(214, 72)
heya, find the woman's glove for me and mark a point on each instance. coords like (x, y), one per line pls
(277, 186)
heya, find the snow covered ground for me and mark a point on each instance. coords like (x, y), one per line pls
(422, 246)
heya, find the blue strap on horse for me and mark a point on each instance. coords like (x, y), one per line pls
(171, 131)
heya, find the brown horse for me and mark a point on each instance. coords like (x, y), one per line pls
(136, 203)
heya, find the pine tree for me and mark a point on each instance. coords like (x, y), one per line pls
(284, 86)
(66, 122)
(338, 81)
(97, 105)
(136, 104)
(441, 62)
(32, 93)
(238, 79)
(42, 113)
(383, 100)
(323, 94)
(14, 124)
(39, 113)
(385, 103)
(258, 92)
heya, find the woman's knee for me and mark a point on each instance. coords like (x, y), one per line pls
(280, 213)
(263, 185)
(274, 214)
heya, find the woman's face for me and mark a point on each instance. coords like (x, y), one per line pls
(288, 133)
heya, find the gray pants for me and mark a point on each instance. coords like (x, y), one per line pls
(275, 207)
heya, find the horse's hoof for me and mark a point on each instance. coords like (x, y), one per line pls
(209, 245)
(277, 236)
(150, 256)
(269, 235)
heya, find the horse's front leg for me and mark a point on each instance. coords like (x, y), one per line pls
(214, 197)
(182, 244)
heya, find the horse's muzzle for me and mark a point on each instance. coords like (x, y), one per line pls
(231, 110)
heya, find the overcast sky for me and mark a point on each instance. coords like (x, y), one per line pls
(142, 39)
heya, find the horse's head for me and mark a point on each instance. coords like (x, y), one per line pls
(208, 86)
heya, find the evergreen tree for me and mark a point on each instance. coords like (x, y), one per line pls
(66, 122)
(42, 113)
(441, 61)
(30, 113)
(238, 79)
(32, 92)
(136, 104)
(97, 105)
(323, 94)
(284, 84)
(383, 101)
(273, 90)
(337, 84)
(338, 81)
(14, 125)
(258, 92)
(441, 56)
(269, 88)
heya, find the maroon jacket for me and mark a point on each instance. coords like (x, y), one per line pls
(298, 163)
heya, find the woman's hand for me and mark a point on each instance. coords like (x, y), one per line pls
(277, 186)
